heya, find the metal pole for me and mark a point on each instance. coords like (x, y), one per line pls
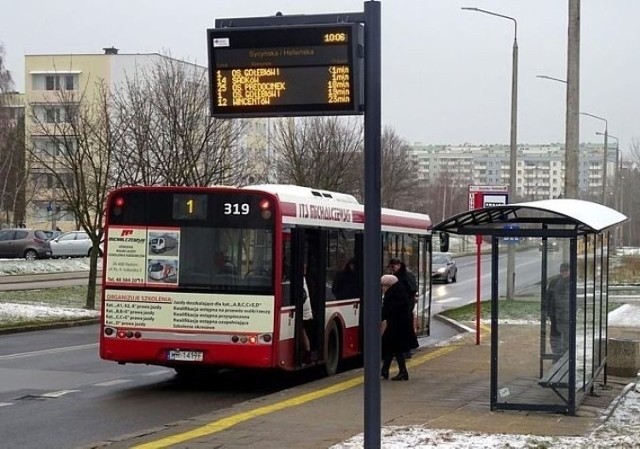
(615, 194)
(513, 146)
(604, 164)
(573, 102)
(618, 190)
(54, 206)
(513, 143)
(513, 161)
(372, 227)
(604, 167)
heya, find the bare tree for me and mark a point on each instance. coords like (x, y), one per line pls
(629, 202)
(169, 136)
(12, 170)
(318, 152)
(12, 173)
(399, 173)
(75, 136)
(6, 82)
(447, 195)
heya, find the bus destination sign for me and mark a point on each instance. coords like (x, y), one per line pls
(285, 70)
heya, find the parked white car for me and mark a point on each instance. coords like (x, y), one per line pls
(72, 244)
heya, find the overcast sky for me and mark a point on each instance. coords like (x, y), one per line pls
(446, 72)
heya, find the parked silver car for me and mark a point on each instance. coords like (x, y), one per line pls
(72, 244)
(28, 243)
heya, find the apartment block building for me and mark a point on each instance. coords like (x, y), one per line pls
(52, 82)
(540, 168)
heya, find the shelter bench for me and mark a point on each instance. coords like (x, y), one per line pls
(557, 376)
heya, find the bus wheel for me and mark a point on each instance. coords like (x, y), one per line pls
(332, 350)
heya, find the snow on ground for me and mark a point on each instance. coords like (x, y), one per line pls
(619, 430)
(21, 266)
(627, 315)
(13, 313)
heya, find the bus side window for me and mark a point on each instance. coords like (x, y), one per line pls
(286, 270)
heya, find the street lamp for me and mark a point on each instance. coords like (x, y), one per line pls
(617, 173)
(604, 166)
(513, 144)
(616, 188)
(570, 159)
(545, 77)
(605, 134)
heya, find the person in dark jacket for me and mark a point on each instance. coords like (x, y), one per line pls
(399, 269)
(559, 312)
(405, 276)
(398, 335)
(345, 285)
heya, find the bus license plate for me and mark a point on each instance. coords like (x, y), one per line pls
(186, 356)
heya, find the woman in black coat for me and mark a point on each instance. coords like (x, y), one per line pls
(398, 335)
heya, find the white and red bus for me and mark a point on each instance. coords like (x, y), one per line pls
(228, 291)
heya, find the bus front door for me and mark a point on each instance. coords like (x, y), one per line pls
(308, 283)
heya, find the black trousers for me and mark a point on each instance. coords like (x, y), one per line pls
(388, 358)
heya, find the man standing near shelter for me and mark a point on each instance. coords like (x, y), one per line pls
(559, 312)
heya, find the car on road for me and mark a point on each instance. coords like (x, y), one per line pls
(28, 243)
(552, 245)
(72, 244)
(444, 268)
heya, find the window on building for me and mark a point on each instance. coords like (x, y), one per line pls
(52, 82)
(51, 115)
(59, 82)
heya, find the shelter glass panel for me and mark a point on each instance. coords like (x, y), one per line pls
(533, 327)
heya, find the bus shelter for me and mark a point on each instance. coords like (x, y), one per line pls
(552, 348)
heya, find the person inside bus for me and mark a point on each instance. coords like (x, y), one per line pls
(307, 325)
(345, 285)
(398, 336)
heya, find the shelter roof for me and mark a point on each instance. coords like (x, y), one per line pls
(579, 216)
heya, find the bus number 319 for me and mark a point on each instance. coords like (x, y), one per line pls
(236, 209)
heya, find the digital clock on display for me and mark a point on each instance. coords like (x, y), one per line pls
(330, 38)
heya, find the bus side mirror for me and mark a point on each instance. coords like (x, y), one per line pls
(444, 242)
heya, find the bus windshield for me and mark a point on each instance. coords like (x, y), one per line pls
(226, 259)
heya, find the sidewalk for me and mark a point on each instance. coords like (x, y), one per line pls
(449, 389)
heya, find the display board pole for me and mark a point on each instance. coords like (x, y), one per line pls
(478, 285)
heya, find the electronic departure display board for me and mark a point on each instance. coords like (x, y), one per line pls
(285, 70)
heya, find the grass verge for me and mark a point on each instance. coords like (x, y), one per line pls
(44, 306)
(526, 310)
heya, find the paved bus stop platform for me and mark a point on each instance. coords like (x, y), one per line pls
(448, 389)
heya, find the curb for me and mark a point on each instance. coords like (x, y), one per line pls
(453, 323)
(50, 325)
(616, 402)
(57, 276)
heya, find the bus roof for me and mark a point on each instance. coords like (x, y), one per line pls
(314, 207)
(291, 190)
